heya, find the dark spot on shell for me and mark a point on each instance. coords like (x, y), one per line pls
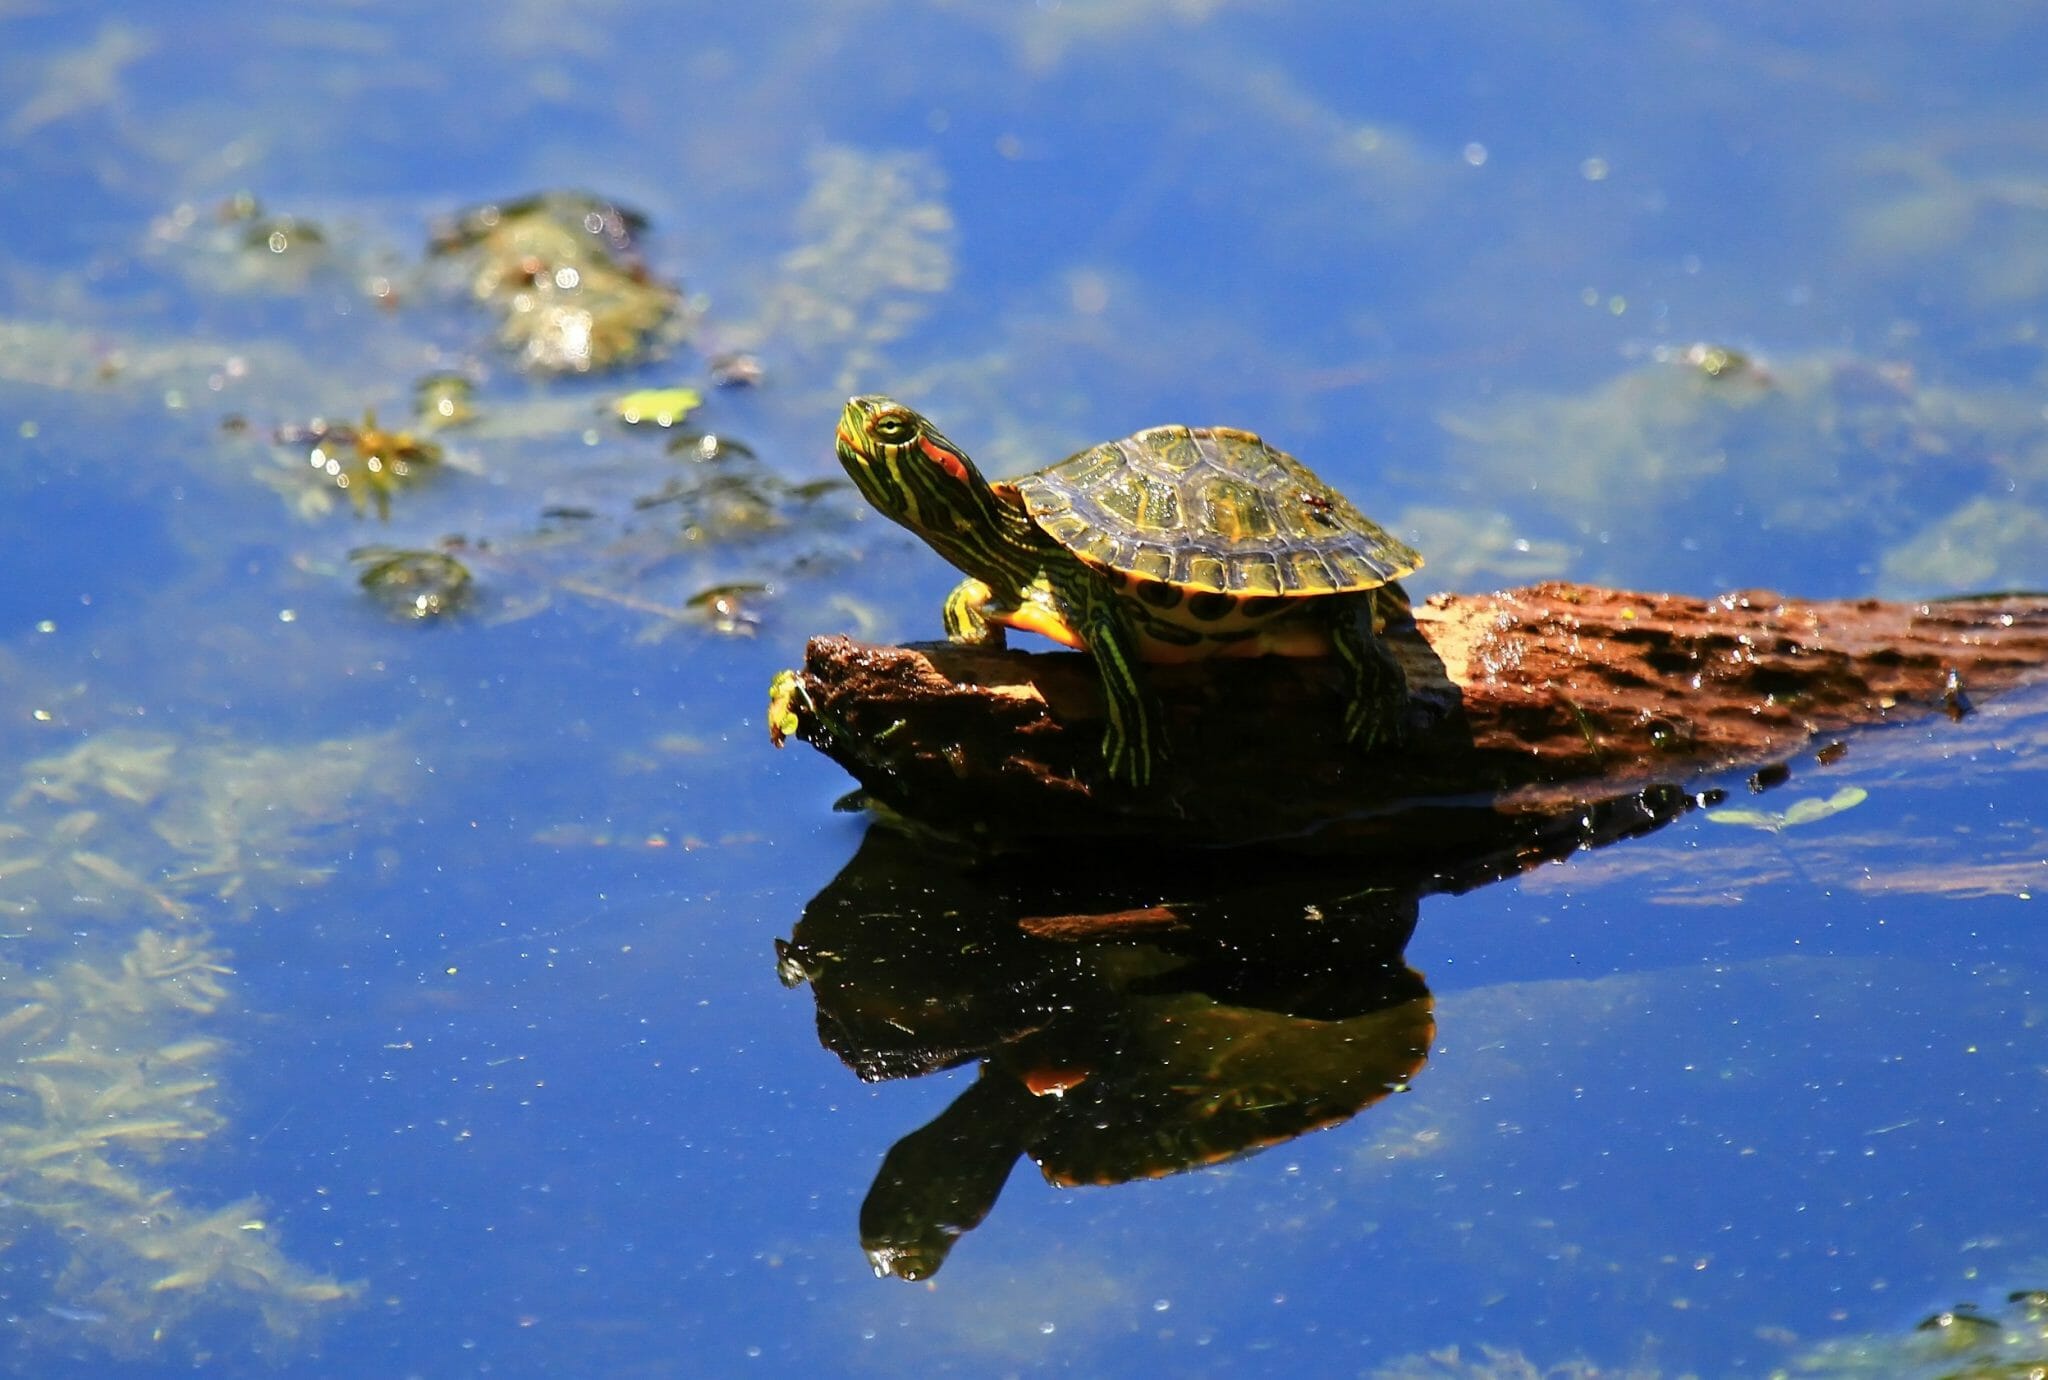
(1209, 607)
(1259, 605)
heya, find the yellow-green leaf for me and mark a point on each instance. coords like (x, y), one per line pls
(658, 406)
(1812, 808)
(1754, 819)
(1803, 811)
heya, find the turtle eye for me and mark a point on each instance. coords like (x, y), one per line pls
(891, 428)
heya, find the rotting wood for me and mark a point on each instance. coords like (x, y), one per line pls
(1535, 701)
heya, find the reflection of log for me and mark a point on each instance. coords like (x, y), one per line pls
(1530, 701)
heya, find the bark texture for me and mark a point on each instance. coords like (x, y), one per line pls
(1526, 704)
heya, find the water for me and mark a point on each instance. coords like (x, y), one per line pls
(387, 999)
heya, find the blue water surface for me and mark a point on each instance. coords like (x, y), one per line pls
(501, 1070)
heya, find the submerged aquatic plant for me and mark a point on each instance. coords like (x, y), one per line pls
(420, 585)
(367, 462)
(1967, 1342)
(563, 275)
(1501, 1363)
(445, 400)
(120, 858)
(103, 1070)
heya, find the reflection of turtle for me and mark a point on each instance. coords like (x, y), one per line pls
(1173, 544)
(1175, 1082)
(1275, 1003)
(1197, 1082)
(1172, 1084)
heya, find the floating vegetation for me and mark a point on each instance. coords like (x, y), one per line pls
(1500, 1363)
(662, 407)
(783, 694)
(445, 400)
(366, 462)
(159, 829)
(1807, 811)
(724, 505)
(240, 246)
(736, 370)
(722, 523)
(1721, 362)
(420, 585)
(720, 506)
(103, 1072)
(562, 273)
(732, 610)
(273, 234)
(118, 859)
(709, 445)
(1966, 1342)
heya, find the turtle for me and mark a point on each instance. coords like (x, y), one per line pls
(1174, 543)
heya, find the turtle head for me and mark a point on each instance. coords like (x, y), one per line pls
(907, 469)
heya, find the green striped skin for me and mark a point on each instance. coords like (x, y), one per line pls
(1173, 544)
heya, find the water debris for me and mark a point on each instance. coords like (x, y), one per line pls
(562, 272)
(367, 462)
(420, 585)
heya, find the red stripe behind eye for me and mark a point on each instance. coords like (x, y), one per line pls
(943, 458)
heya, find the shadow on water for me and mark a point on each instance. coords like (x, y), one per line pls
(1133, 1022)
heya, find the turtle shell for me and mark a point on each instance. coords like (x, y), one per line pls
(1211, 509)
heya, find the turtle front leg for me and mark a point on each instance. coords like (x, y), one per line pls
(1376, 701)
(1134, 742)
(967, 615)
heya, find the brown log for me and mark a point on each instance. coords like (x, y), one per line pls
(1535, 701)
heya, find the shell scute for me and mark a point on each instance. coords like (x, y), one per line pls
(1211, 510)
(1256, 574)
(1151, 562)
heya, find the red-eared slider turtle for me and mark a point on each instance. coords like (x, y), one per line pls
(1171, 544)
